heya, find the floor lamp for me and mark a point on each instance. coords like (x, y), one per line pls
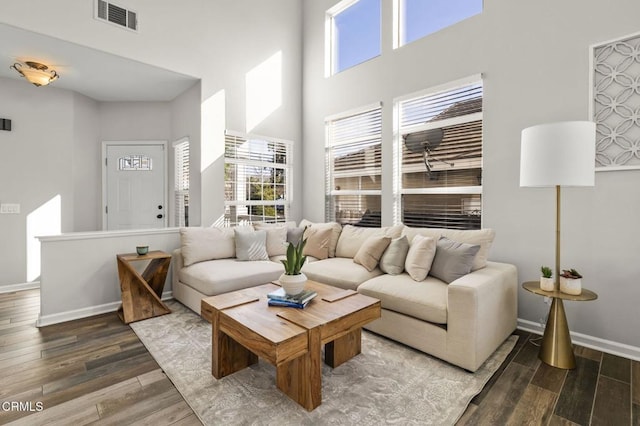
(558, 154)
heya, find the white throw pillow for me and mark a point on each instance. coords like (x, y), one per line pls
(353, 237)
(420, 256)
(318, 241)
(394, 257)
(251, 245)
(276, 238)
(335, 227)
(370, 252)
(200, 244)
(482, 237)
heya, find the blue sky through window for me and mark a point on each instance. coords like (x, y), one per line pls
(356, 34)
(424, 17)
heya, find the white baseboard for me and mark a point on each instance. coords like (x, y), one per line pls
(19, 287)
(44, 320)
(614, 348)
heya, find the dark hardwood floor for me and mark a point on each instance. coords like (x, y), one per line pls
(96, 371)
(89, 371)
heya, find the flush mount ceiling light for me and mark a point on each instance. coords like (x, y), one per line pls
(35, 72)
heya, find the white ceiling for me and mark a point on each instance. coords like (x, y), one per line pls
(98, 75)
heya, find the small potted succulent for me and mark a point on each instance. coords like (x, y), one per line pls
(293, 280)
(571, 282)
(546, 281)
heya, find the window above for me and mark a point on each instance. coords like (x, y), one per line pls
(419, 18)
(353, 34)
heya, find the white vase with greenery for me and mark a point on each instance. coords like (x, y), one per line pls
(571, 282)
(293, 280)
(546, 280)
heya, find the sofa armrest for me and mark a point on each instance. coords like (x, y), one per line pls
(178, 264)
(482, 312)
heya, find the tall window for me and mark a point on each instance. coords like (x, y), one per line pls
(353, 29)
(353, 167)
(181, 183)
(257, 179)
(419, 18)
(438, 157)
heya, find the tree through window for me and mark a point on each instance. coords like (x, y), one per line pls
(257, 179)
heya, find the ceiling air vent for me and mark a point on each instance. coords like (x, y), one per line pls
(117, 15)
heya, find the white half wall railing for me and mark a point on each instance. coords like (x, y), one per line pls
(79, 273)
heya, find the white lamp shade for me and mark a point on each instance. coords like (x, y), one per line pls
(560, 153)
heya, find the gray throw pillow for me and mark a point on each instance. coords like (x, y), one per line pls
(251, 245)
(294, 235)
(453, 259)
(392, 261)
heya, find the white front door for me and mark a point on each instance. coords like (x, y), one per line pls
(135, 186)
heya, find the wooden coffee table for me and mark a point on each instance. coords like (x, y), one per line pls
(244, 328)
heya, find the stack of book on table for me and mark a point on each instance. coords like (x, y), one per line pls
(300, 300)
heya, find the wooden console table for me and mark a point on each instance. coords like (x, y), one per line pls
(141, 293)
(555, 348)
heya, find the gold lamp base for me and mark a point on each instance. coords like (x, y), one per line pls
(556, 349)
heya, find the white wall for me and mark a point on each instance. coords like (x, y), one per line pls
(54, 148)
(535, 60)
(220, 42)
(185, 122)
(36, 165)
(135, 121)
(86, 164)
(90, 258)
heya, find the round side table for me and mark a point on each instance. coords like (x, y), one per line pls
(555, 348)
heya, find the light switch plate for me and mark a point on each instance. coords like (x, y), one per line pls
(6, 208)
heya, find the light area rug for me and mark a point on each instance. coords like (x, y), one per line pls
(387, 383)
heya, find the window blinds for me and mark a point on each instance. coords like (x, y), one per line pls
(353, 167)
(257, 179)
(441, 158)
(181, 188)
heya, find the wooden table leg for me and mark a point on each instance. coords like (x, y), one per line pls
(301, 378)
(227, 355)
(155, 274)
(343, 348)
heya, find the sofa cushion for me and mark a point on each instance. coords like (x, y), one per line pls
(393, 259)
(370, 251)
(199, 244)
(482, 237)
(224, 275)
(339, 272)
(353, 237)
(335, 227)
(318, 240)
(276, 237)
(420, 256)
(251, 245)
(425, 300)
(453, 259)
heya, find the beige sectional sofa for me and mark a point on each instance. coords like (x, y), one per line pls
(462, 322)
